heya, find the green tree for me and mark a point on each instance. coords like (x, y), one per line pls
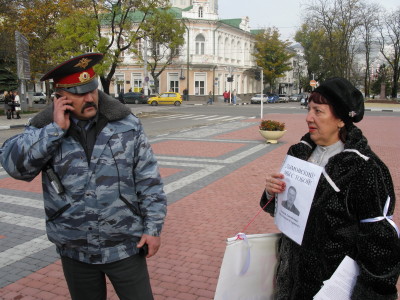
(305, 83)
(8, 67)
(110, 27)
(36, 20)
(75, 34)
(8, 13)
(334, 24)
(390, 46)
(382, 77)
(8, 78)
(164, 35)
(369, 23)
(271, 55)
(313, 42)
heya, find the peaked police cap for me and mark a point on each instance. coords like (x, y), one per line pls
(75, 75)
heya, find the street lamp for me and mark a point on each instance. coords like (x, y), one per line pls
(146, 76)
(262, 90)
(187, 59)
(213, 83)
(230, 80)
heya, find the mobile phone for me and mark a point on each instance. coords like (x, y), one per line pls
(57, 95)
(144, 250)
(54, 180)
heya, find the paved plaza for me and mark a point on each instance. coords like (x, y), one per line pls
(214, 177)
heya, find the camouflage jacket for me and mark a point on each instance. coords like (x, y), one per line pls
(108, 204)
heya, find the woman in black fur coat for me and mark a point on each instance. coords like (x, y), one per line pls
(352, 205)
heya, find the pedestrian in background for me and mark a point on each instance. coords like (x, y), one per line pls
(103, 194)
(12, 104)
(8, 104)
(234, 97)
(121, 97)
(5, 106)
(210, 98)
(226, 96)
(352, 205)
(17, 104)
(185, 94)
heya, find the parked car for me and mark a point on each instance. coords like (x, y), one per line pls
(256, 99)
(283, 98)
(273, 98)
(54, 95)
(166, 98)
(39, 97)
(304, 101)
(295, 97)
(135, 98)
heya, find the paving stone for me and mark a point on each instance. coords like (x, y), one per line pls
(202, 211)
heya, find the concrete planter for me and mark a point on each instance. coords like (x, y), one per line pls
(272, 137)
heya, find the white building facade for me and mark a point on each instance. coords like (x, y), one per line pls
(214, 50)
(290, 84)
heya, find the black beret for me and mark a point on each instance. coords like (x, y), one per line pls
(75, 75)
(347, 101)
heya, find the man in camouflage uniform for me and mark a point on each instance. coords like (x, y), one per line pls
(103, 194)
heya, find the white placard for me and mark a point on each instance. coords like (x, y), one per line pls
(294, 204)
(341, 284)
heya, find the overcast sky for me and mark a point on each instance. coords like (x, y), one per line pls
(282, 14)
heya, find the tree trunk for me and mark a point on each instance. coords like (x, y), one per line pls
(106, 84)
(156, 85)
(395, 84)
(367, 74)
(383, 91)
(156, 80)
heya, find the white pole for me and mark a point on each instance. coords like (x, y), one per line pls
(262, 89)
(146, 83)
(230, 86)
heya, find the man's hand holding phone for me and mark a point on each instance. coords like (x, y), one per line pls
(62, 109)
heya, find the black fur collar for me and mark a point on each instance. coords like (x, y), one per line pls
(354, 140)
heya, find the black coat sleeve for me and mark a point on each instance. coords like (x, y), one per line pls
(270, 207)
(378, 244)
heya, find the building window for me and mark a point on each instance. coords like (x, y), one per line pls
(158, 49)
(200, 42)
(239, 52)
(137, 82)
(175, 51)
(226, 48)
(233, 50)
(139, 46)
(173, 81)
(246, 52)
(199, 83)
(119, 81)
(155, 48)
(200, 12)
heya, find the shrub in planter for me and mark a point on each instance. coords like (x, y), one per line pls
(271, 125)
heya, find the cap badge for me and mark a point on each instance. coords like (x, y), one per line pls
(84, 76)
(352, 114)
(83, 63)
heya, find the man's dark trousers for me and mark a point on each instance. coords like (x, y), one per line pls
(129, 278)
